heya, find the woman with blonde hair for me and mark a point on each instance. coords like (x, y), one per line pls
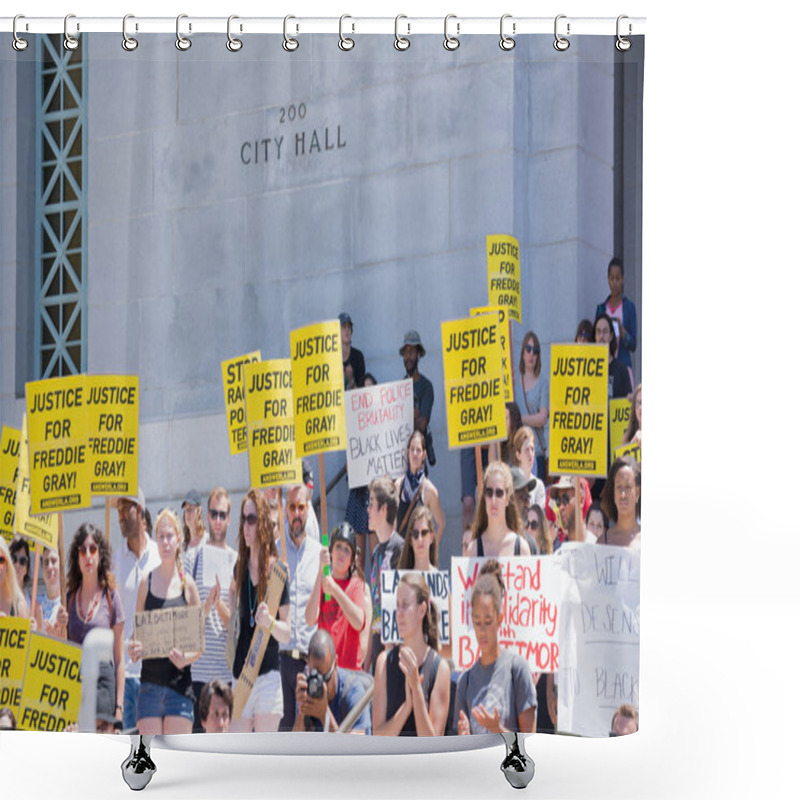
(166, 699)
(412, 681)
(497, 528)
(524, 457)
(257, 552)
(12, 600)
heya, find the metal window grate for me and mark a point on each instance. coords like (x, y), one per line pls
(60, 256)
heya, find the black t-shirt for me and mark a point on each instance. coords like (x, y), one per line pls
(272, 659)
(619, 380)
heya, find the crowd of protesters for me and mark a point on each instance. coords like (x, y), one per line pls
(325, 667)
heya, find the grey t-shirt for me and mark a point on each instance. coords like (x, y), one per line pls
(505, 685)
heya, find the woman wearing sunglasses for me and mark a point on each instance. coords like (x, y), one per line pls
(21, 559)
(257, 552)
(94, 602)
(416, 489)
(166, 699)
(12, 600)
(412, 681)
(497, 527)
(420, 549)
(532, 395)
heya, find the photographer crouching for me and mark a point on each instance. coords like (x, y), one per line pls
(326, 694)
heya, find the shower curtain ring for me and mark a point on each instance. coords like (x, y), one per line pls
(622, 43)
(451, 42)
(561, 43)
(401, 42)
(70, 42)
(289, 44)
(129, 43)
(345, 42)
(181, 41)
(18, 43)
(233, 44)
(507, 42)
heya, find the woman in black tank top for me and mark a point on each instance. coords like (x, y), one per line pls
(412, 682)
(166, 587)
(497, 526)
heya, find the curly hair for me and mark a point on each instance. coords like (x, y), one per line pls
(265, 541)
(105, 577)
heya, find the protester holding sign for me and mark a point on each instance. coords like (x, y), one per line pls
(342, 614)
(12, 600)
(496, 694)
(416, 488)
(412, 681)
(248, 594)
(622, 502)
(497, 530)
(94, 602)
(166, 700)
(633, 433)
(532, 395)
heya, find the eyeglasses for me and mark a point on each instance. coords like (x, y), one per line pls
(562, 499)
(90, 548)
(415, 534)
(21, 560)
(250, 519)
(529, 348)
(2, 559)
(491, 492)
(214, 514)
(533, 524)
(297, 508)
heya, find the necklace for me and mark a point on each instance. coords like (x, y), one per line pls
(89, 615)
(250, 604)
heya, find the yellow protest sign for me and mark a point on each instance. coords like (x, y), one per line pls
(270, 424)
(502, 263)
(633, 450)
(9, 464)
(51, 693)
(579, 409)
(504, 331)
(619, 414)
(58, 440)
(43, 527)
(473, 380)
(318, 388)
(14, 636)
(113, 408)
(234, 399)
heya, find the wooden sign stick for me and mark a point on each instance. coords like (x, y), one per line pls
(61, 570)
(323, 511)
(36, 558)
(278, 575)
(282, 525)
(479, 470)
(108, 520)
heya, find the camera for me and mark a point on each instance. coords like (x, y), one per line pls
(316, 684)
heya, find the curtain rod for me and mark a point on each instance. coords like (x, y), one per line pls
(350, 25)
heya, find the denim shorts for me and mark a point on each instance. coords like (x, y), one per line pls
(161, 701)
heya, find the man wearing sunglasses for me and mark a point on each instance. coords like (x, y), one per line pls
(302, 558)
(137, 556)
(561, 495)
(211, 565)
